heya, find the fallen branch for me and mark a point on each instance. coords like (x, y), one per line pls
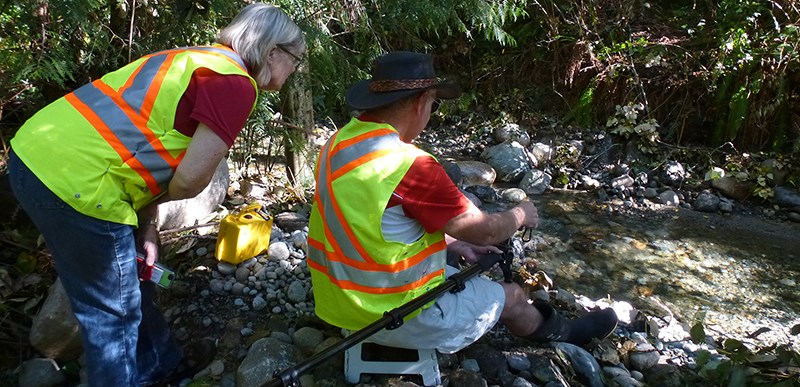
(210, 224)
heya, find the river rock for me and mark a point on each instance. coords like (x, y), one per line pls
(732, 187)
(453, 172)
(307, 338)
(297, 292)
(467, 378)
(669, 198)
(55, 332)
(188, 212)
(278, 251)
(510, 160)
(706, 202)
(290, 221)
(786, 196)
(476, 173)
(542, 153)
(492, 362)
(535, 182)
(622, 181)
(665, 375)
(512, 132)
(514, 195)
(518, 362)
(264, 357)
(583, 363)
(39, 372)
(485, 193)
(645, 355)
(673, 174)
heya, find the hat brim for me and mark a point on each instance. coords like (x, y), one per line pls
(359, 97)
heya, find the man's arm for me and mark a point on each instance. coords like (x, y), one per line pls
(480, 228)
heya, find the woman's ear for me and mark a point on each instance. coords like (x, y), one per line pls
(271, 54)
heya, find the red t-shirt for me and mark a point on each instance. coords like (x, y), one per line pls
(428, 195)
(222, 102)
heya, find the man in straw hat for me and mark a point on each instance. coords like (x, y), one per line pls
(386, 215)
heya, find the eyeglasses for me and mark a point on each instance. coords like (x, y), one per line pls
(297, 59)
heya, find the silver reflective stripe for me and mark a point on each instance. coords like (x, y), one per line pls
(134, 95)
(317, 256)
(331, 221)
(344, 271)
(229, 53)
(128, 134)
(364, 147)
(378, 279)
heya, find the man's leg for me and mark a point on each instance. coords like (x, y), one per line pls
(519, 317)
(540, 322)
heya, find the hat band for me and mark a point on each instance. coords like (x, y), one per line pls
(387, 85)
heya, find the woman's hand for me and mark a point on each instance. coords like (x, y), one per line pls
(147, 238)
(471, 253)
(147, 233)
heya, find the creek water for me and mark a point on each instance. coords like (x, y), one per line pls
(738, 273)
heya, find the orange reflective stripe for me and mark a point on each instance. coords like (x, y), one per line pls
(360, 137)
(140, 123)
(155, 87)
(132, 78)
(385, 267)
(220, 47)
(335, 245)
(350, 285)
(339, 215)
(360, 161)
(316, 244)
(113, 141)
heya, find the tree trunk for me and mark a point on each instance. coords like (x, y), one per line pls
(297, 109)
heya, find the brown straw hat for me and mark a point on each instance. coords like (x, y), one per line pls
(398, 75)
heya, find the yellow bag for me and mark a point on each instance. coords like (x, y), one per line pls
(244, 235)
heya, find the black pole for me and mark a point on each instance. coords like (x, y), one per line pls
(393, 318)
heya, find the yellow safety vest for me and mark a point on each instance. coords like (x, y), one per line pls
(110, 147)
(356, 274)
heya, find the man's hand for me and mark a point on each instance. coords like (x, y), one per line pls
(531, 219)
(470, 252)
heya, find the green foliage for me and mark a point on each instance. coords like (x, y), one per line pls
(739, 365)
(627, 123)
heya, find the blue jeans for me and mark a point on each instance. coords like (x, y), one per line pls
(126, 340)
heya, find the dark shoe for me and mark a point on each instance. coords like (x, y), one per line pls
(197, 355)
(580, 331)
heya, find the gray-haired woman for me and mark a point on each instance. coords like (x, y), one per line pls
(91, 168)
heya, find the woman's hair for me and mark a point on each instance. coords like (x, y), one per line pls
(256, 30)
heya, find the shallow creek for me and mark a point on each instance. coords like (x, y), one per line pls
(741, 273)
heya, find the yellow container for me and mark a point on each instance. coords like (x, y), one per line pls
(243, 235)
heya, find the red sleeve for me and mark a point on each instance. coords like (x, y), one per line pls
(428, 195)
(222, 102)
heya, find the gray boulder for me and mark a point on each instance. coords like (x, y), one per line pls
(192, 211)
(512, 132)
(706, 202)
(55, 332)
(732, 187)
(510, 160)
(787, 196)
(41, 373)
(535, 182)
(266, 356)
(476, 173)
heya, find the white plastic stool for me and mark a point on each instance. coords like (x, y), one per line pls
(424, 364)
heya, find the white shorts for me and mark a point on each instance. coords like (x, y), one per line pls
(454, 321)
